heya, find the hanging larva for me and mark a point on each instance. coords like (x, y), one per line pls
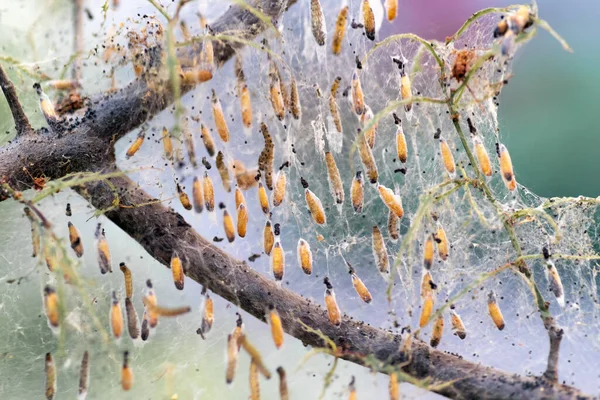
(254, 354)
(368, 20)
(340, 30)
(317, 20)
(145, 330)
(167, 144)
(438, 331)
(276, 326)
(335, 180)
(426, 310)
(380, 251)
(428, 251)
(104, 260)
(427, 284)
(219, 118)
(482, 157)
(279, 189)
(276, 96)
(495, 311)
(207, 55)
(333, 106)
(263, 198)
(394, 388)
(51, 305)
(401, 146)
(208, 317)
(285, 95)
(357, 95)
(209, 192)
(239, 197)
(357, 192)
(267, 156)
(177, 271)
(352, 389)
(190, 145)
(132, 319)
(164, 311)
(126, 373)
(228, 225)
(116, 317)
(405, 85)
(335, 315)
(305, 258)
(554, 282)
(63, 84)
(242, 220)
(268, 237)
(35, 232)
(50, 372)
(223, 171)
(52, 254)
(295, 106)
(183, 198)
(128, 281)
(277, 256)
(150, 298)
(392, 225)
(46, 105)
(254, 383)
(243, 93)
(208, 140)
(84, 376)
(457, 325)
(506, 167)
(360, 287)
(366, 157)
(442, 242)
(135, 146)
(75, 239)
(197, 196)
(314, 204)
(447, 158)
(232, 357)
(283, 387)
(391, 9)
(371, 133)
(391, 200)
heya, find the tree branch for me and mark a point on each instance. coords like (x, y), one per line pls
(555, 334)
(87, 145)
(162, 232)
(21, 121)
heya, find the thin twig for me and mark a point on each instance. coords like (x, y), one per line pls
(21, 121)
(555, 334)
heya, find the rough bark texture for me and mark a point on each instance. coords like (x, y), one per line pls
(85, 143)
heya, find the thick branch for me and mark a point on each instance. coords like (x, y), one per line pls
(162, 232)
(87, 145)
(116, 114)
(21, 121)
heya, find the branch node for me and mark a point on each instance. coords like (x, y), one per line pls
(555, 333)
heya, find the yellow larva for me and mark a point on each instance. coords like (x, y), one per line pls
(368, 20)
(367, 158)
(506, 167)
(360, 287)
(437, 332)
(75, 239)
(333, 106)
(219, 118)
(428, 251)
(263, 198)
(357, 192)
(135, 146)
(279, 188)
(318, 22)
(340, 31)
(242, 220)
(305, 258)
(335, 315)
(380, 251)
(268, 237)
(391, 9)
(314, 204)
(197, 195)
(482, 157)
(442, 242)
(391, 200)
(357, 95)
(494, 311)
(426, 310)
(457, 325)
(401, 146)
(209, 192)
(447, 158)
(335, 180)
